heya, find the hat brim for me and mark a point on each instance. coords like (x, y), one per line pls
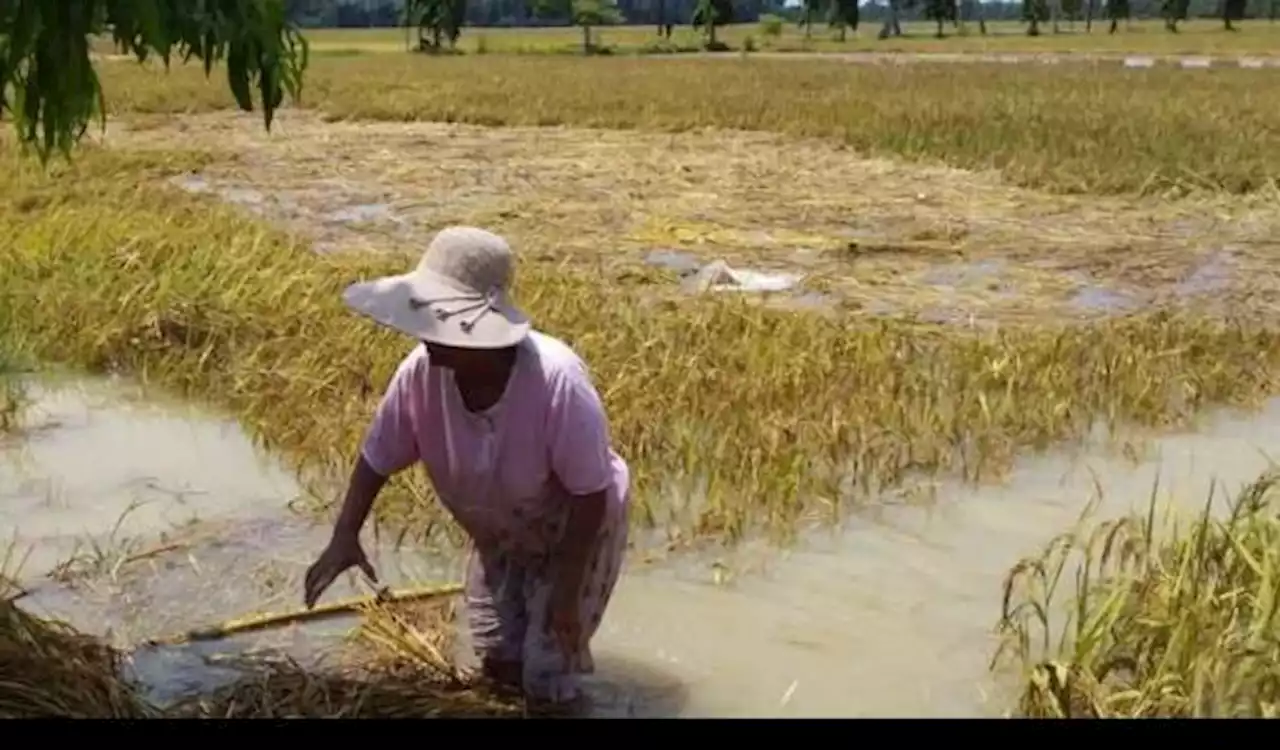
(395, 302)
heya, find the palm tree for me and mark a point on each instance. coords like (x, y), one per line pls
(709, 15)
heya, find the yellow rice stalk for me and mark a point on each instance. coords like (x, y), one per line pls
(47, 669)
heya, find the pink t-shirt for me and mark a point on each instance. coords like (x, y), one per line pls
(508, 473)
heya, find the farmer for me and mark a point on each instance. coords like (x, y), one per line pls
(515, 440)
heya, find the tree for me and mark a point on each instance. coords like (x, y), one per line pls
(709, 15)
(809, 9)
(665, 27)
(436, 20)
(49, 86)
(1232, 10)
(892, 27)
(1117, 11)
(975, 10)
(1034, 12)
(1071, 10)
(591, 13)
(1173, 11)
(843, 15)
(940, 11)
(584, 13)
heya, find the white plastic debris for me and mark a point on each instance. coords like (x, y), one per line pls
(719, 277)
(790, 693)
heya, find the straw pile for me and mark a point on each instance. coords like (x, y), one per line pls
(398, 668)
(47, 669)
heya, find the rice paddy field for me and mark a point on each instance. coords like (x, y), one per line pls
(994, 440)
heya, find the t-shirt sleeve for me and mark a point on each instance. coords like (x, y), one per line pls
(579, 433)
(391, 444)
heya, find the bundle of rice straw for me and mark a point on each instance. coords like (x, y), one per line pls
(400, 669)
(282, 689)
(47, 669)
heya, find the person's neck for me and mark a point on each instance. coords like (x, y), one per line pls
(481, 390)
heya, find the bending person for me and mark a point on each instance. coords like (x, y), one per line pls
(515, 440)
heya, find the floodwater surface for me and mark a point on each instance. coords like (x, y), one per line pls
(890, 616)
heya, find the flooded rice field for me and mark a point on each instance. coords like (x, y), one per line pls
(146, 518)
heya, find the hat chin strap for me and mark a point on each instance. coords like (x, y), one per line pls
(480, 305)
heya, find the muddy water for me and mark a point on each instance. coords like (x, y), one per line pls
(893, 616)
(889, 617)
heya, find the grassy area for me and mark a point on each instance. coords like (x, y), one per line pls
(1068, 129)
(1200, 37)
(1178, 621)
(769, 411)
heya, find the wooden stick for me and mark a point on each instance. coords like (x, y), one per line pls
(266, 621)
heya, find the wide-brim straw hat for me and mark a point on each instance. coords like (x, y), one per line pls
(457, 296)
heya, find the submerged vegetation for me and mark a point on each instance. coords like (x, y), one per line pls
(1162, 618)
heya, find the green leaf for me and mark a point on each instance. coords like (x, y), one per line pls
(49, 86)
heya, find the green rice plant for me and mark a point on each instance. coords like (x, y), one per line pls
(1175, 620)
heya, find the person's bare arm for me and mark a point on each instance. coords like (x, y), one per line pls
(362, 490)
(583, 463)
(343, 550)
(586, 515)
(389, 446)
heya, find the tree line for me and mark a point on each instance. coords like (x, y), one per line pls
(50, 90)
(446, 18)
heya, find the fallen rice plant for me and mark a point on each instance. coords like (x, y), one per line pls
(49, 670)
(1177, 621)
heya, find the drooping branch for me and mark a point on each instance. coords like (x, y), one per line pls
(49, 86)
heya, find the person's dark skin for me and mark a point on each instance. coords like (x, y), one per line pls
(481, 375)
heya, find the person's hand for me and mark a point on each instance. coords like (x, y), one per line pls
(564, 623)
(343, 552)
